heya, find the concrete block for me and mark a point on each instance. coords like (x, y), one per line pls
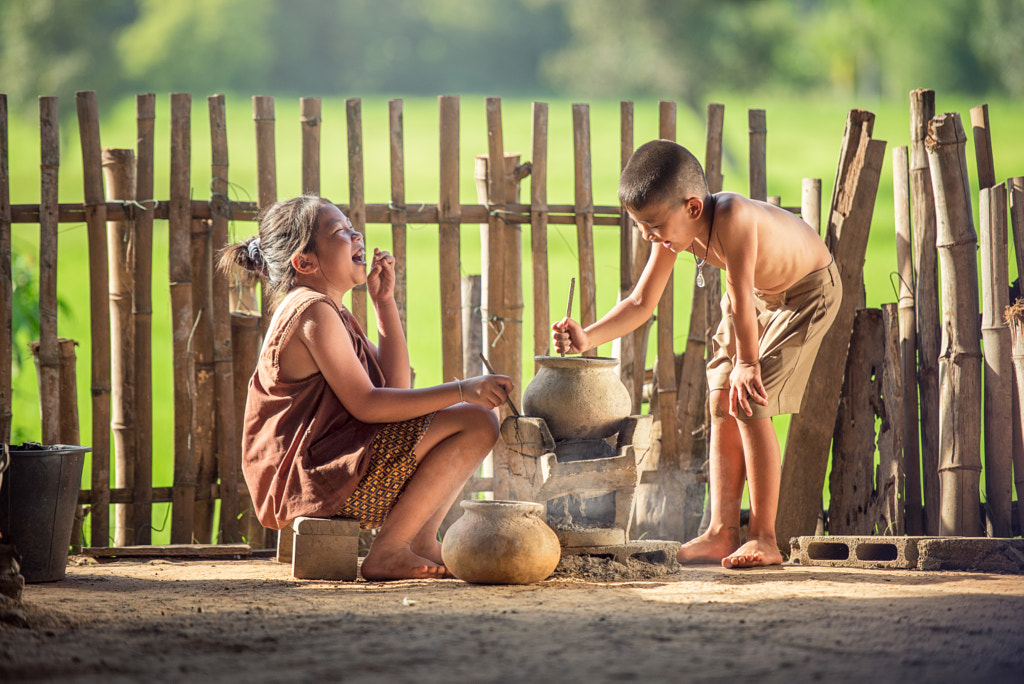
(972, 554)
(648, 550)
(840, 551)
(325, 548)
(285, 543)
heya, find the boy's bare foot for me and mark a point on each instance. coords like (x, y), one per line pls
(396, 563)
(709, 547)
(754, 553)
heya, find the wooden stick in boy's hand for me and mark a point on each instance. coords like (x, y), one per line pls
(508, 400)
(568, 306)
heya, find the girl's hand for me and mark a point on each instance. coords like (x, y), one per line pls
(745, 384)
(380, 282)
(489, 391)
(569, 337)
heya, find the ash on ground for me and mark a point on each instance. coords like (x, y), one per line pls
(596, 567)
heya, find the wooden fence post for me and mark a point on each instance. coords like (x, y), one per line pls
(182, 318)
(926, 299)
(204, 425)
(449, 241)
(663, 402)
(6, 279)
(99, 313)
(889, 478)
(70, 430)
(309, 119)
(960, 361)
(584, 210)
(356, 199)
(119, 171)
(48, 363)
(227, 447)
(1015, 190)
(640, 250)
(142, 318)
(539, 230)
(266, 180)
(810, 431)
(810, 203)
(397, 211)
(908, 341)
(998, 366)
(758, 125)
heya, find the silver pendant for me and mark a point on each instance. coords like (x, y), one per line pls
(700, 275)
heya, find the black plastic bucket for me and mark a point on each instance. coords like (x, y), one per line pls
(37, 506)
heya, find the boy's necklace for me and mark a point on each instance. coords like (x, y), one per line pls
(700, 263)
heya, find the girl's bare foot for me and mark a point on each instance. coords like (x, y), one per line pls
(754, 553)
(431, 550)
(395, 563)
(709, 547)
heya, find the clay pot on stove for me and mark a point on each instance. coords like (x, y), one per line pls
(578, 397)
(501, 542)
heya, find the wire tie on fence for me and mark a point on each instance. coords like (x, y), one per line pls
(396, 207)
(501, 331)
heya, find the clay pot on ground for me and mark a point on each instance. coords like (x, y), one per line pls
(501, 542)
(578, 397)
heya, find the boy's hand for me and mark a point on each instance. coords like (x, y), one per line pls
(745, 384)
(489, 391)
(380, 282)
(569, 337)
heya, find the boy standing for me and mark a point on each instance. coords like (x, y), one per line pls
(782, 294)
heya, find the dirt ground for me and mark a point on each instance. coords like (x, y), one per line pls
(249, 620)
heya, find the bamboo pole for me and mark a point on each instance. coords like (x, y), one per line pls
(758, 125)
(356, 203)
(449, 241)
(810, 432)
(1015, 190)
(142, 317)
(960, 360)
(472, 327)
(666, 364)
(926, 299)
(584, 208)
(203, 436)
(266, 180)
(810, 203)
(6, 280)
(539, 229)
(99, 313)
(182, 319)
(119, 171)
(908, 342)
(1014, 317)
(48, 363)
(309, 117)
(997, 368)
(397, 210)
(228, 456)
(983, 146)
(889, 478)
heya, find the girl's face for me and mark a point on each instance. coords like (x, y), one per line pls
(340, 251)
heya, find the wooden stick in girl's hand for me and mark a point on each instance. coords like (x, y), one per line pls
(568, 307)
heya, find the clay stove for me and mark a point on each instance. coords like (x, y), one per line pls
(577, 450)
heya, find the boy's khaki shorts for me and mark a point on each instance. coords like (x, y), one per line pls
(790, 328)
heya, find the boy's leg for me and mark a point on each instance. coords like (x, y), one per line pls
(764, 471)
(725, 486)
(451, 449)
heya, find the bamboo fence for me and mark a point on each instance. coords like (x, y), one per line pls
(217, 325)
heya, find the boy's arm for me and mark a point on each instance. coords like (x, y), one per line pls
(626, 316)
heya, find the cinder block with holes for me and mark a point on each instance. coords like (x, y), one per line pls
(857, 552)
(320, 548)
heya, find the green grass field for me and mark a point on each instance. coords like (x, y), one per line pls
(804, 137)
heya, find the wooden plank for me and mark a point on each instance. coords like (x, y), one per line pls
(997, 365)
(960, 361)
(584, 208)
(191, 551)
(119, 171)
(6, 279)
(398, 212)
(539, 230)
(926, 299)
(99, 311)
(309, 118)
(810, 432)
(46, 360)
(914, 515)
(758, 161)
(449, 241)
(142, 317)
(890, 483)
(266, 181)
(356, 203)
(180, 272)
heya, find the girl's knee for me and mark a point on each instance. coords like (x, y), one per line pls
(480, 420)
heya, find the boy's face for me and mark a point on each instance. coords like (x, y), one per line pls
(673, 227)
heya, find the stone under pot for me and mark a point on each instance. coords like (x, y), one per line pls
(501, 542)
(578, 397)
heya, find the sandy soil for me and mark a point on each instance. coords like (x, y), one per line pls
(249, 620)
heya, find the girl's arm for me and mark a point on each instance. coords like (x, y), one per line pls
(392, 351)
(328, 342)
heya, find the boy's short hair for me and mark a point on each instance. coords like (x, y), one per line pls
(661, 172)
